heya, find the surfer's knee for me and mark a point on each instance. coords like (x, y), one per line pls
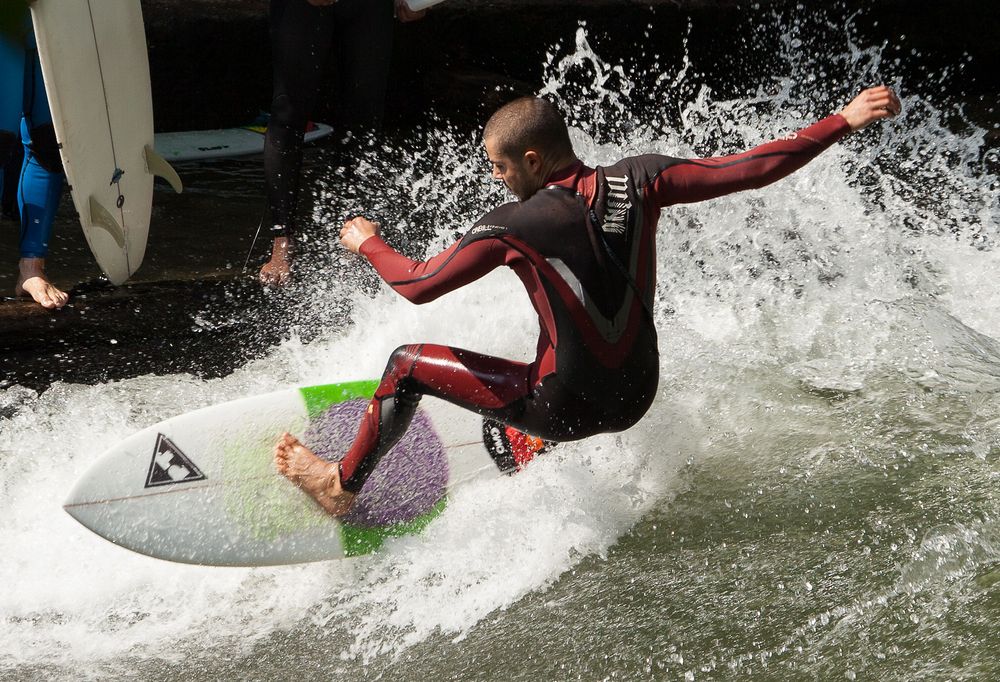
(45, 148)
(401, 361)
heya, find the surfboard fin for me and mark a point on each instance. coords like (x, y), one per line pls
(158, 166)
(100, 217)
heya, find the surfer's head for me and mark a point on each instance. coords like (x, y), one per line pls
(526, 141)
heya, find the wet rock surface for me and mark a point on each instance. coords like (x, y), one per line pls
(110, 333)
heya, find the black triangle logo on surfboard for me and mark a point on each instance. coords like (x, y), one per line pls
(170, 465)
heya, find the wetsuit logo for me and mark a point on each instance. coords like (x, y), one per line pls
(499, 446)
(170, 465)
(478, 229)
(619, 205)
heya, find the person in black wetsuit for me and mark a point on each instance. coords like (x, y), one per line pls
(582, 242)
(304, 34)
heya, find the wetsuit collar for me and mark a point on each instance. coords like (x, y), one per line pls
(566, 176)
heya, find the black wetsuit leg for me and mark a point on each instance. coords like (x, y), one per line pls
(303, 36)
(364, 53)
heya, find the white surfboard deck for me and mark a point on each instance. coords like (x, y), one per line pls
(202, 487)
(205, 145)
(96, 72)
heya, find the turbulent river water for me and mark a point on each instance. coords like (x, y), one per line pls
(814, 494)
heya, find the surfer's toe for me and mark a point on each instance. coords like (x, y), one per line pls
(281, 452)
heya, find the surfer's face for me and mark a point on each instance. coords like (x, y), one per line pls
(521, 175)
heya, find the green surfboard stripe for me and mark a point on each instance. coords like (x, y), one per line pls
(358, 540)
(319, 398)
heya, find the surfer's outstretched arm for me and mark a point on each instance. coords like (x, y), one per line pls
(690, 180)
(463, 262)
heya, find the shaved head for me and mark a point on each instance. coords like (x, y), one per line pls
(529, 123)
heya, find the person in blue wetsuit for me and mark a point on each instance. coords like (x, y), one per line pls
(25, 120)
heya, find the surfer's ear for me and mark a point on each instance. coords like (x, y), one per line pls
(533, 161)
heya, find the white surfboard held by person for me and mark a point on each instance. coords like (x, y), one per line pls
(96, 71)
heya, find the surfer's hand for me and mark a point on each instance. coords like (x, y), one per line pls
(356, 231)
(870, 106)
(405, 14)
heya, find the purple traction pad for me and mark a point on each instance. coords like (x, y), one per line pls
(408, 480)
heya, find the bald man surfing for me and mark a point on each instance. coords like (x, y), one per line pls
(581, 240)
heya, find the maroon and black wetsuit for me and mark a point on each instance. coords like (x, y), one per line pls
(584, 249)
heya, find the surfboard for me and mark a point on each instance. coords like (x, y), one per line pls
(417, 5)
(205, 145)
(202, 488)
(96, 72)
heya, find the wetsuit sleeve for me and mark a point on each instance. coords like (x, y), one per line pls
(420, 282)
(690, 180)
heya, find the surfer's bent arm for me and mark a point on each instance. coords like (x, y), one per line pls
(421, 282)
(690, 180)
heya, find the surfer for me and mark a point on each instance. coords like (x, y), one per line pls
(25, 120)
(581, 240)
(303, 35)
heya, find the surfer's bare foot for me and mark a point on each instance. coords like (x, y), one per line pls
(319, 478)
(32, 281)
(278, 271)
